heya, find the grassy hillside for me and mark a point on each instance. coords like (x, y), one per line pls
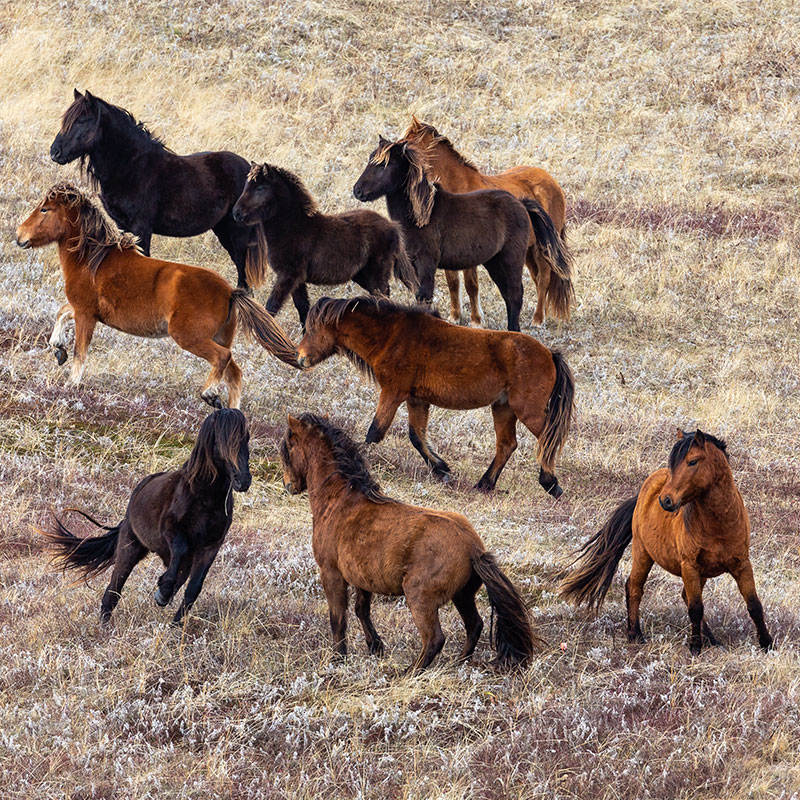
(673, 129)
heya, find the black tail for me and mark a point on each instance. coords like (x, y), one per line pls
(597, 560)
(404, 270)
(87, 556)
(255, 263)
(560, 292)
(558, 417)
(513, 638)
(261, 325)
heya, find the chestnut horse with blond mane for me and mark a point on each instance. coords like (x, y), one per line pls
(108, 280)
(377, 545)
(689, 519)
(550, 267)
(421, 360)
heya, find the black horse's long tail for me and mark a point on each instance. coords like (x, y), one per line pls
(560, 292)
(598, 559)
(87, 556)
(558, 416)
(261, 325)
(255, 264)
(513, 638)
(404, 270)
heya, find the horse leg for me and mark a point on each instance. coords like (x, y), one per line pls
(235, 248)
(464, 601)
(426, 272)
(216, 354)
(178, 547)
(634, 589)
(388, 403)
(425, 611)
(130, 551)
(233, 377)
(532, 416)
(477, 318)
(201, 563)
(694, 601)
(418, 434)
(453, 278)
(363, 602)
(301, 303)
(84, 330)
(541, 277)
(374, 278)
(335, 588)
(58, 338)
(505, 431)
(281, 289)
(508, 279)
(747, 586)
(707, 633)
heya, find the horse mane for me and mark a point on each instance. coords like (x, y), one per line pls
(419, 188)
(348, 459)
(97, 232)
(296, 186)
(221, 433)
(418, 131)
(683, 445)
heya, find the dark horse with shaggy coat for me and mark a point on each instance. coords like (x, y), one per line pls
(147, 189)
(377, 545)
(183, 516)
(306, 246)
(450, 231)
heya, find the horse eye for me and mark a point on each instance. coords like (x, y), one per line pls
(692, 462)
(45, 210)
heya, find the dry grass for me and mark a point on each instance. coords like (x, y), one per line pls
(673, 128)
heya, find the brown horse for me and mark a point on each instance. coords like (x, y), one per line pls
(364, 539)
(550, 268)
(689, 519)
(421, 360)
(182, 515)
(108, 280)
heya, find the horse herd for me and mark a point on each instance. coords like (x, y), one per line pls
(444, 214)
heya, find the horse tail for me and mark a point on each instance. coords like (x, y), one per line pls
(560, 292)
(512, 636)
(88, 556)
(261, 325)
(558, 415)
(255, 261)
(404, 270)
(597, 560)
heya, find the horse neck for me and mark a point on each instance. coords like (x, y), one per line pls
(450, 170)
(76, 272)
(361, 334)
(721, 507)
(326, 487)
(114, 155)
(398, 205)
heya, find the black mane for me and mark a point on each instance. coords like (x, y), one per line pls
(682, 446)
(348, 459)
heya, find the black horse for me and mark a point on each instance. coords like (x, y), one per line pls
(450, 231)
(182, 515)
(147, 189)
(306, 246)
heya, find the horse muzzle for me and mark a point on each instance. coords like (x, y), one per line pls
(668, 504)
(24, 244)
(242, 484)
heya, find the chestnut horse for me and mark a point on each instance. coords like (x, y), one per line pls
(306, 246)
(183, 516)
(550, 267)
(690, 520)
(421, 360)
(108, 280)
(454, 231)
(147, 189)
(364, 539)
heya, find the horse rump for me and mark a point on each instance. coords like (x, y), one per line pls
(88, 556)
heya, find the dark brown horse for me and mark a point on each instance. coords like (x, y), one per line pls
(183, 516)
(147, 189)
(454, 231)
(550, 267)
(306, 246)
(364, 539)
(690, 520)
(421, 360)
(108, 280)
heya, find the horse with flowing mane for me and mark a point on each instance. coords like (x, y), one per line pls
(550, 267)
(421, 360)
(306, 246)
(364, 539)
(688, 518)
(107, 279)
(182, 515)
(147, 189)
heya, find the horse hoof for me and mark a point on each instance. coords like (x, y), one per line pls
(160, 599)
(695, 649)
(61, 355)
(555, 491)
(767, 645)
(444, 477)
(376, 648)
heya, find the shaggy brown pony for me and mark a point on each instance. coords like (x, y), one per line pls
(108, 280)
(421, 360)
(364, 539)
(690, 520)
(306, 246)
(550, 266)
(182, 515)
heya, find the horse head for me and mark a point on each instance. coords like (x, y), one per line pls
(694, 466)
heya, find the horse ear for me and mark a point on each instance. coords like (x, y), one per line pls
(76, 94)
(90, 97)
(295, 425)
(679, 434)
(699, 438)
(382, 140)
(253, 164)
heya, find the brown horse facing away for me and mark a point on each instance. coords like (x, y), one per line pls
(421, 360)
(107, 279)
(691, 520)
(183, 516)
(364, 539)
(550, 267)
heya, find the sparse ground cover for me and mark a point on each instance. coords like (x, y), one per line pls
(673, 128)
